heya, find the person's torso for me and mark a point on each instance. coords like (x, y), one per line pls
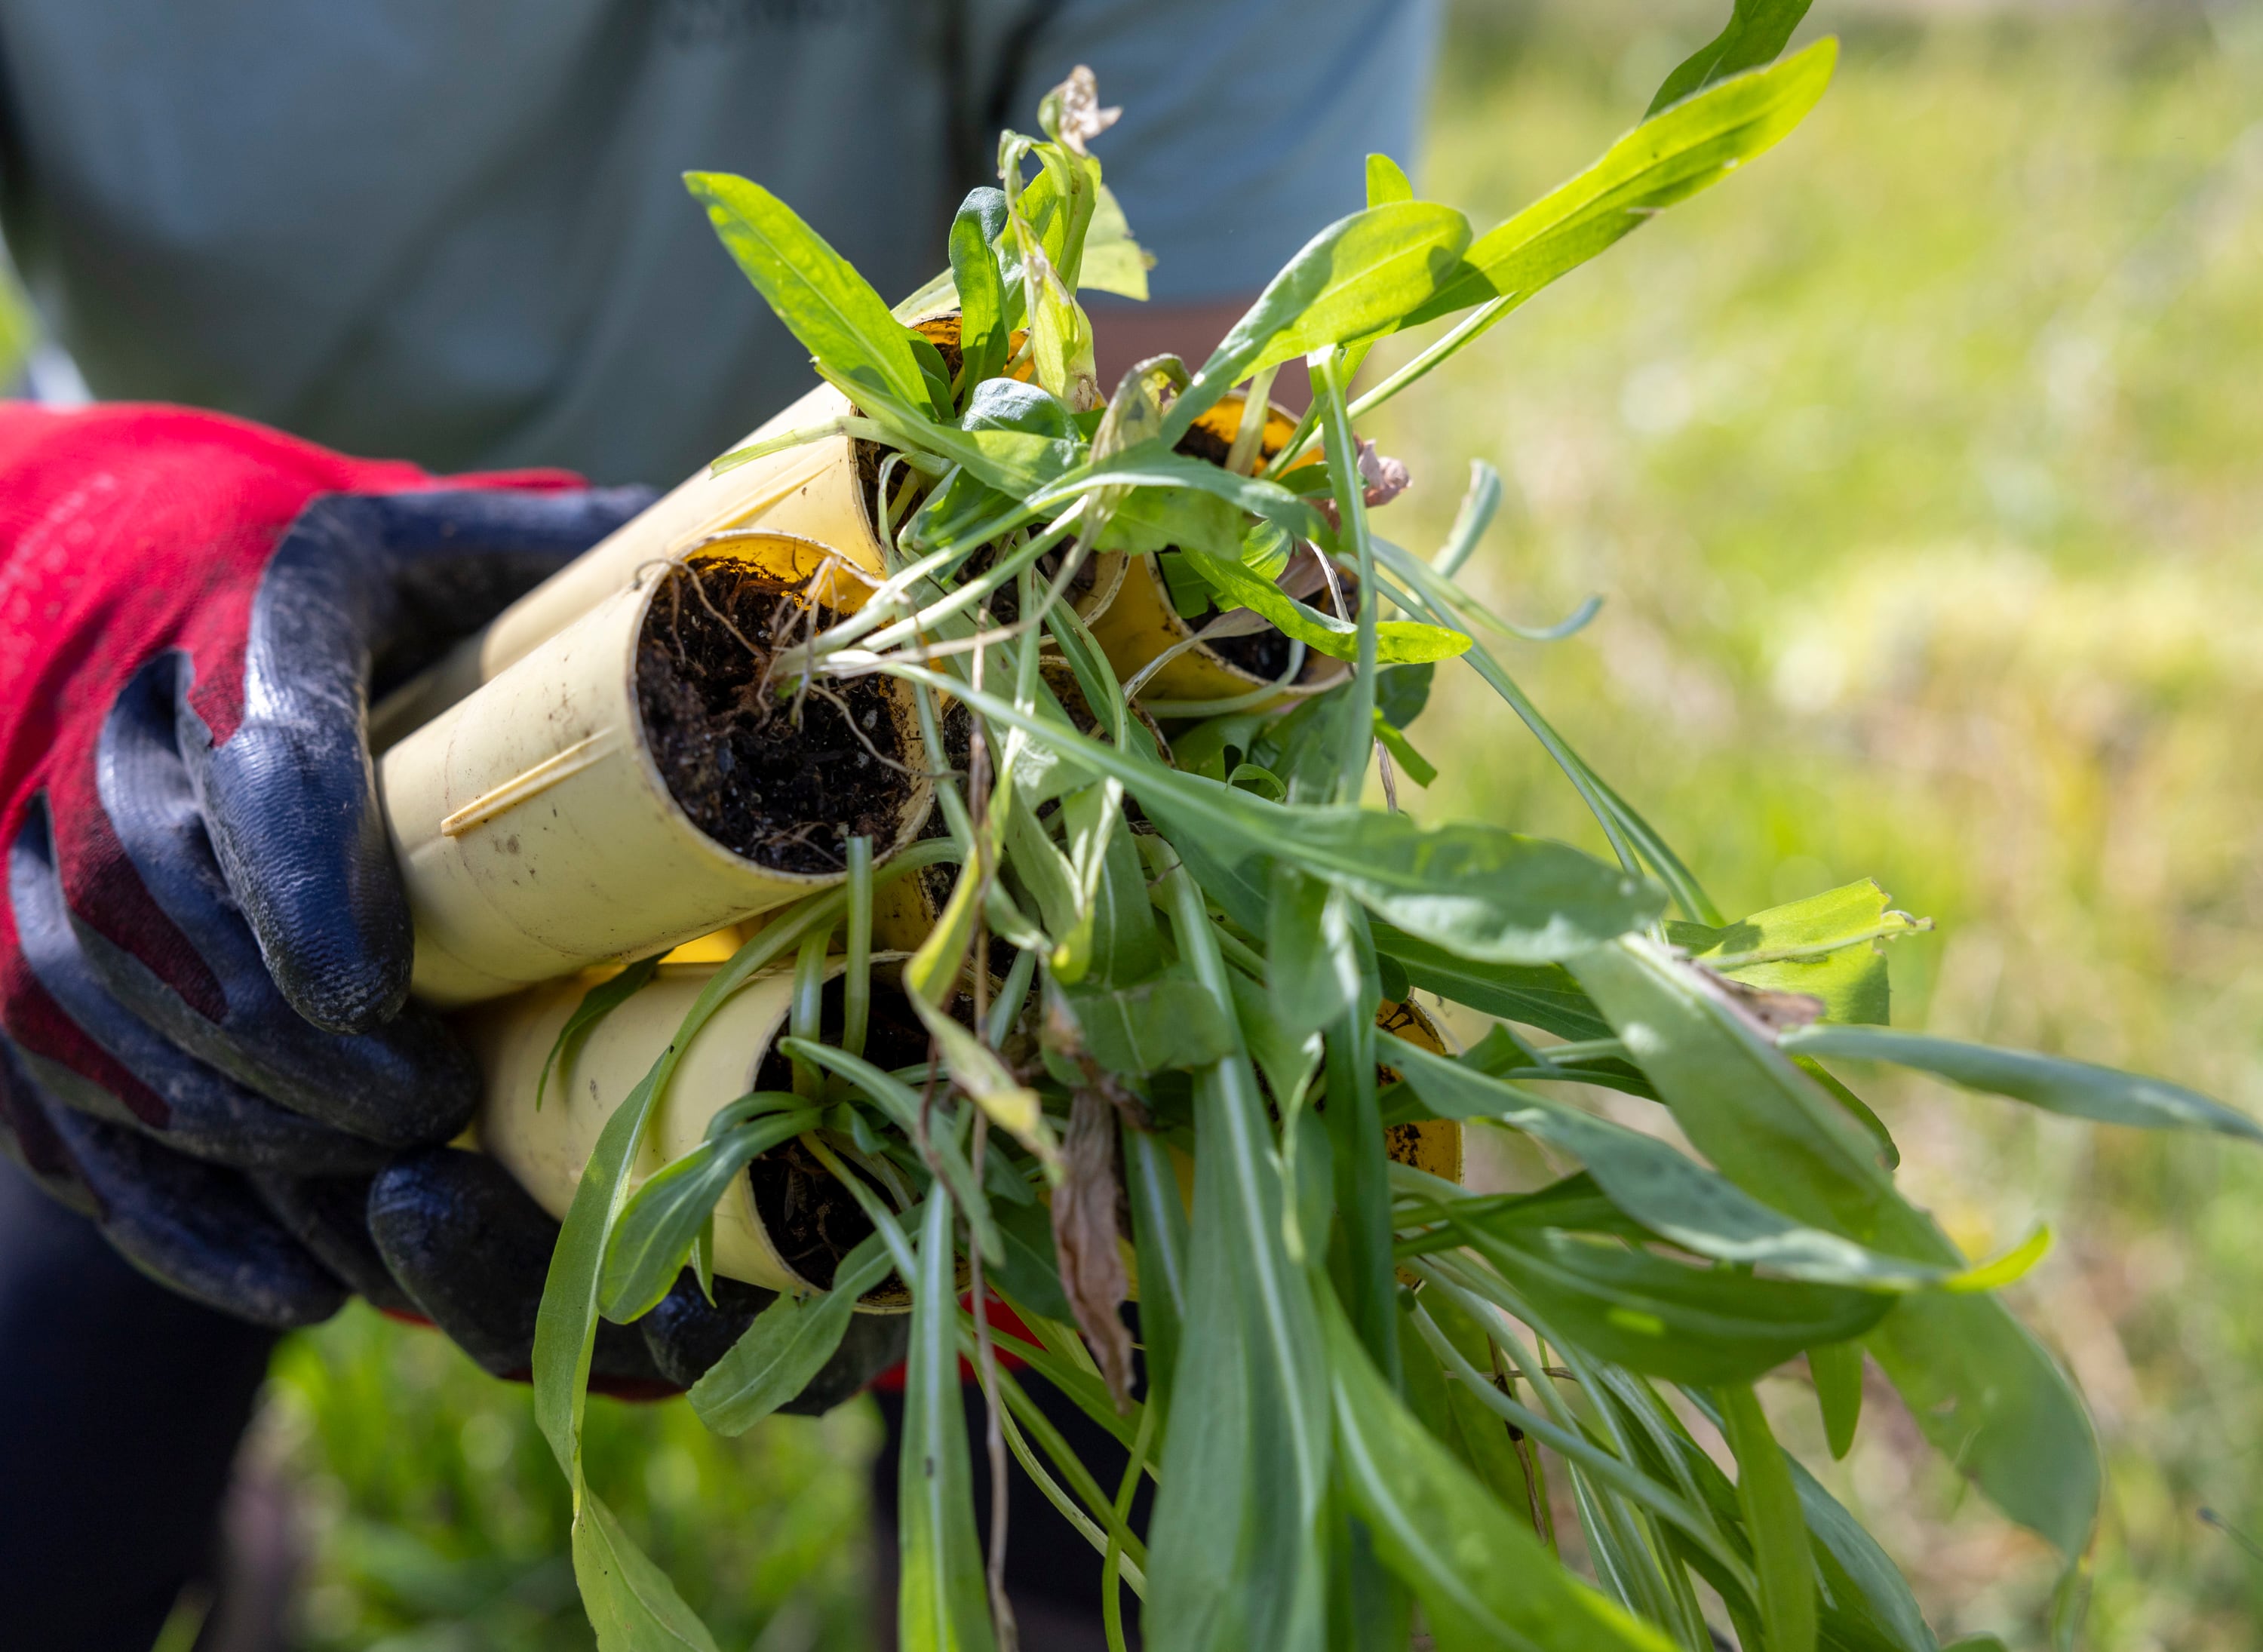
(456, 233)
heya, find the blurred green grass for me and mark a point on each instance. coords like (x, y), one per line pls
(1919, 468)
(436, 1520)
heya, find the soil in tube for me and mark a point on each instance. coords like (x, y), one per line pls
(812, 1219)
(783, 783)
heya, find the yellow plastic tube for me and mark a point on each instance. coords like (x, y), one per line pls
(1143, 623)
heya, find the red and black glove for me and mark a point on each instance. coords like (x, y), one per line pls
(205, 950)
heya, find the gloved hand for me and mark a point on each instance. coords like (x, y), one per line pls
(205, 950)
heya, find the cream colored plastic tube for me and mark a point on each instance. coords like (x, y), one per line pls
(545, 1148)
(810, 491)
(535, 834)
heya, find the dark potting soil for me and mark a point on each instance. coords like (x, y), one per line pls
(811, 1218)
(785, 787)
(1266, 653)
(1005, 603)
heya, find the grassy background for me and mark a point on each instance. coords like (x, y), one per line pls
(1920, 469)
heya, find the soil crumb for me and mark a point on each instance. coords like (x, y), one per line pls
(784, 788)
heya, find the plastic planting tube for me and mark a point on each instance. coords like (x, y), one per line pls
(536, 833)
(545, 1145)
(543, 1132)
(1143, 623)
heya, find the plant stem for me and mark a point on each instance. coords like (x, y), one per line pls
(806, 1019)
(1111, 1603)
(1001, 1610)
(856, 974)
(1358, 711)
(1249, 437)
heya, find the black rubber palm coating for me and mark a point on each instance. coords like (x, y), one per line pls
(289, 796)
(329, 1215)
(407, 1083)
(197, 1228)
(472, 1249)
(202, 1113)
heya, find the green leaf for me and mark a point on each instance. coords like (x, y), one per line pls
(1387, 181)
(1668, 1319)
(1417, 767)
(1456, 1420)
(813, 290)
(901, 1104)
(656, 1227)
(1774, 1522)
(1997, 1405)
(1030, 1270)
(1363, 274)
(1765, 1125)
(1170, 1023)
(1837, 1368)
(787, 1346)
(631, 1604)
(596, 1004)
(1980, 1387)
(1286, 1060)
(1664, 161)
(1246, 1465)
(1477, 890)
(1113, 261)
(1159, 1244)
(1757, 30)
(2075, 1089)
(1398, 641)
(1826, 945)
(1312, 962)
(982, 331)
(566, 1323)
(1662, 1187)
(1124, 945)
(1544, 995)
(1402, 692)
(1577, 1204)
(942, 1605)
(1864, 1589)
(1866, 1605)
(1483, 1577)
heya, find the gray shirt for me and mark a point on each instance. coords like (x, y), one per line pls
(454, 230)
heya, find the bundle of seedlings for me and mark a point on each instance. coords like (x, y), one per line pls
(1174, 976)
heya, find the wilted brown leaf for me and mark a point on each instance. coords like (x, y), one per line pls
(1085, 1241)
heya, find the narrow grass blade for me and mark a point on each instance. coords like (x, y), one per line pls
(942, 1602)
(1484, 1579)
(787, 1346)
(1774, 1519)
(2077, 1089)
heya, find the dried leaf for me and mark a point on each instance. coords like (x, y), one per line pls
(1071, 111)
(1085, 1240)
(1384, 478)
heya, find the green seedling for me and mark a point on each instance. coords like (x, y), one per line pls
(1349, 1365)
